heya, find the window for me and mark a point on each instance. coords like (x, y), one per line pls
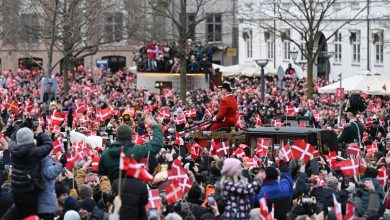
(191, 18)
(286, 49)
(113, 26)
(338, 48)
(214, 27)
(247, 35)
(270, 45)
(355, 42)
(379, 53)
(29, 28)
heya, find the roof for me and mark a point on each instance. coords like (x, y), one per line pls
(281, 130)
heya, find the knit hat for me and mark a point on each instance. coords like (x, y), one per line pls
(24, 136)
(60, 189)
(85, 191)
(271, 173)
(88, 204)
(124, 133)
(194, 194)
(371, 172)
(72, 215)
(230, 166)
(70, 203)
(332, 182)
(91, 177)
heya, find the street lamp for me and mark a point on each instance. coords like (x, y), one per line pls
(262, 63)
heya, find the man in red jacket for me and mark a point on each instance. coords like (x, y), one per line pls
(227, 113)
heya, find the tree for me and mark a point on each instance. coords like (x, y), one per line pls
(176, 11)
(74, 28)
(308, 18)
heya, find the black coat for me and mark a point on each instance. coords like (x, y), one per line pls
(134, 198)
(26, 160)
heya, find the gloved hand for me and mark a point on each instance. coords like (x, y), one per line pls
(63, 160)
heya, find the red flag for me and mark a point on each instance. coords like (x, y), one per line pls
(133, 168)
(262, 147)
(263, 208)
(350, 212)
(138, 139)
(251, 163)
(271, 215)
(239, 153)
(190, 113)
(164, 113)
(29, 106)
(179, 140)
(179, 120)
(290, 110)
(11, 105)
(154, 199)
(58, 146)
(258, 120)
(383, 176)
(80, 108)
(331, 159)
(353, 149)
(372, 148)
(57, 118)
(277, 123)
(95, 162)
(287, 152)
(32, 217)
(174, 193)
(103, 114)
(337, 208)
(195, 150)
(177, 173)
(186, 184)
(365, 137)
(349, 167)
(223, 149)
(302, 150)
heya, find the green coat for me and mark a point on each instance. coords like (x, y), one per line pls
(109, 161)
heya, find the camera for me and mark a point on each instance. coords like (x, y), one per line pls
(359, 185)
(307, 200)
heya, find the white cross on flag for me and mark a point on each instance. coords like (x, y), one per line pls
(302, 150)
(95, 162)
(350, 212)
(383, 176)
(286, 152)
(258, 120)
(262, 147)
(354, 149)
(239, 153)
(223, 149)
(251, 163)
(177, 173)
(179, 120)
(372, 148)
(290, 110)
(277, 123)
(174, 193)
(337, 208)
(133, 168)
(186, 184)
(103, 114)
(190, 113)
(349, 167)
(154, 199)
(57, 118)
(164, 113)
(263, 208)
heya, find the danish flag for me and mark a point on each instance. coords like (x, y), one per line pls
(195, 150)
(331, 159)
(103, 114)
(337, 208)
(302, 150)
(138, 139)
(95, 162)
(251, 163)
(58, 146)
(286, 152)
(154, 199)
(164, 113)
(277, 123)
(11, 105)
(353, 149)
(179, 120)
(190, 113)
(179, 140)
(262, 147)
(372, 148)
(223, 148)
(271, 215)
(290, 110)
(174, 193)
(258, 120)
(29, 106)
(239, 153)
(133, 168)
(263, 208)
(80, 108)
(365, 137)
(350, 211)
(177, 173)
(349, 167)
(57, 118)
(186, 184)
(383, 176)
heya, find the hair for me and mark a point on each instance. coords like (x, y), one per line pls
(173, 216)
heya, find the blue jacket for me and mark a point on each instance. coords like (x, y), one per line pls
(47, 199)
(280, 193)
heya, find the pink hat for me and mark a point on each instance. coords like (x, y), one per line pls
(230, 166)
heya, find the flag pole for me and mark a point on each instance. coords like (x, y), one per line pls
(120, 173)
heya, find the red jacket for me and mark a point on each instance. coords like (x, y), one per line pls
(228, 110)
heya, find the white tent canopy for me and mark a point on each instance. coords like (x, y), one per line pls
(367, 82)
(251, 69)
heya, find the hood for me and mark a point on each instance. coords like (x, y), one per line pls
(115, 148)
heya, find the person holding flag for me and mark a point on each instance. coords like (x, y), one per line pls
(227, 113)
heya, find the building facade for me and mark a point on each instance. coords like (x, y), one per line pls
(359, 45)
(125, 25)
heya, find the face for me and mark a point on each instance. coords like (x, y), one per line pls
(83, 213)
(62, 198)
(93, 183)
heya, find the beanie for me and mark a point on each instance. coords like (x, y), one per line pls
(60, 189)
(88, 204)
(271, 173)
(90, 177)
(124, 133)
(333, 183)
(70, 203)
(371, 172)
(85, 191)
(194, 194)
(24, 136)
(230, 166)
(72, 215)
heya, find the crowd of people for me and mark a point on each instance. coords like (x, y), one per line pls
(164, 57)
(52, 169)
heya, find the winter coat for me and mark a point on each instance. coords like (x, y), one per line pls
(279, 193)
(109, 162)
(362, 196)
(47, 199)
(134, 198)
(237, 199)
(26, 160)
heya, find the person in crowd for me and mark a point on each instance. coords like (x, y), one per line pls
(227, 113)
(26, 180)
(48, 95)
(193, 66)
